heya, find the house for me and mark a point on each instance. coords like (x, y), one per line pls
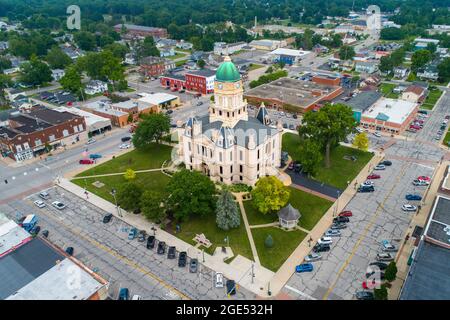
(197, 55)
(223, 48)
(414, 94)
(184, 45)
(57, 74)
(73, 53)
(429, 72)
(130, 58)
(366, 66)
(318, 48)
(166, 52)
(155, 66)
(96, 86)
(161, 43)
(401, 72)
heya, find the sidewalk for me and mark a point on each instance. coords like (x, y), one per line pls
(287, 269)
(239, 269)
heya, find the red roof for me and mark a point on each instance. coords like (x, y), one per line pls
(415, 89)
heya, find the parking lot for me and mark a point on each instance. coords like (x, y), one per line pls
(106, 249)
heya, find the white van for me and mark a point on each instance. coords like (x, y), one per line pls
(218, 280)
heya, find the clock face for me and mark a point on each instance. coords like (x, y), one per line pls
(220, 86)
(238, 85)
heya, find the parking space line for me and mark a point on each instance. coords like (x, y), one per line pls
(300, 292)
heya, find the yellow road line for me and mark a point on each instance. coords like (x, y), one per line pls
(123, 259)
(363, 235)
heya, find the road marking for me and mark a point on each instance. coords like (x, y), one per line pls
(364, 234)
(300, 292)
(122, 258)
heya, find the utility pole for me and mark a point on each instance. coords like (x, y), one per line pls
(253, 272)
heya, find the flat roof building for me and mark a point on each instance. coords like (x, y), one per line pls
(159, 99)
(94, 123)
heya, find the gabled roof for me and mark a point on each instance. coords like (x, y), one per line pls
(289, 213)
(263, 115)
(415, 89)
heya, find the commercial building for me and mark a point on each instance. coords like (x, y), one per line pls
(366, 66)
(267, 45)
(288, 56)
(223, 48)
(445, 185)
(292, 95)
(159, 100)
(31, 133)
(389, 115)
(200, 81)
(414, 94)
(142, 31)
(95, 124)
(135, 107)
(155, 66)
(104, 109)
(361, 102)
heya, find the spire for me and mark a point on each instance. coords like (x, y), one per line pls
(263, 115)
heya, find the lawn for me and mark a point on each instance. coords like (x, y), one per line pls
(254, 66)
(147, 180)
(255, 217)
(387, 90)
(177, 56)
(340, 171)
(446, 140)
(432, 98)
(150, 158)
(284, 243)
(207, 225)
(180, 62)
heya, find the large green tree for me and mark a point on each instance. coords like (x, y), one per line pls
(444, 70)
(269, 194)
(85, 40)
(4, 64)
(102, 66)
(310, 156)
(420, 58)
(227, 212)
(152, 128)
(346, 52)
(71, 80)
(328, 126)
(147, 48)
(128, 195)
(57, 59)
(190, 193)
(152, 206)
(35, 72)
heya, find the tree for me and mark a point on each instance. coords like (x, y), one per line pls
(328, 126)
(102, 66)
(191, 193)
(391, 271)
(152, 206)
(130, 174)
(152, 128)
(269, 194)
(201, 63)
(71, 80)
(361, 141)
(147, 48)
(85, 40)
(269, 241)
(419, 59)
(444, 70)
(381, 293)
(127, 195)
(35, 72)
(4, 64)
(310, 156)
(57, 59)
(346, 52)
(227, 212)
(118, 50)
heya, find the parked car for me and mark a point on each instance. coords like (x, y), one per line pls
(325, 240)
(346, 213)
(69, 251)
(35, 230)
(313, 257)
(182, 258)
(420, 183)
(58, 205)
(218, 280)
(123, 294)
(366, 189)
(45, 233)
(44, 195)
(413, 197)
(39, 203)
(341, 219)
(95, 156)
(386, 246)
(386, 163)
(408, 207)
(304, 267)
(151, 242)
(161, 247)
(381, 265)
(367, 183)
(380, 167)
(364, 295)
(337, 226)
(132, 233)
(424, 178)
(375, 273)
(193, 266)
(171, 252)
(90, 141)
(332, 233)
(86, 161)
(125, 146)
(384, 257)
(377, 134)
(136, 297)
(107, 218)
(231, 287)
(125, 139)
(321, 248)
(374, 176)
(142, 236)
(371, 284)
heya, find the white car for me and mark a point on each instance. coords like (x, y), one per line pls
(90, 141)
(136, 297)
(218, 280)
(380, 167)
(313, 256)
(333, 233)
(58, 205)
(124, 146)
(39, 203)
(420, 183)
(377, 134)
(325, 240)
(367, 183)
(409, 207)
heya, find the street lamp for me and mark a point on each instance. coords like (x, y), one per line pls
(113, 192)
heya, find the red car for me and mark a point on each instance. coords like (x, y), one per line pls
(413, 126)
(374, 176)
(86, 161)
(424, 178)
(346, 213)
(371, 284)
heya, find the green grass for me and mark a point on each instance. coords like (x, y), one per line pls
(180, 62)
(150, 158)
(254, 66)
(147, 180)
(177, 56)
(2, 108)
(387, 90)
(255, 217)
(446, 140)
(432, 98)
(238, 238)
(284, 243)
(340, 171)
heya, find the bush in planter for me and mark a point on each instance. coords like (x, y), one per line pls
(381, 293)
(269, 241)
(391, 272)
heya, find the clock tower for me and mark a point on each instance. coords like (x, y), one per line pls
(229, 105)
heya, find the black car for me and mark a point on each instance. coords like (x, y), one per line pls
(151, 242)
(294, 116)
(193, 266)
(341, 219)
(365, 189)
(171, 252)
(35, 230)
(161, 247)
(125, 139)
(231, 287)
(297, 168)
(45, 233)
(107, 218)
(380, 265)
(364, 295)
(386, 163)
(142, 236)
(69, 251)
(182, 258)
(321, 248)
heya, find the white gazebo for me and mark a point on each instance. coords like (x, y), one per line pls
(288, 217)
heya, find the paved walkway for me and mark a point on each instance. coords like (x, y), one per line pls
(318, 194)
(273, 224)
(117, 174)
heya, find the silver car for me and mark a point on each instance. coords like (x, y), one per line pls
(313, 256)
(333, 233)
(384, 257)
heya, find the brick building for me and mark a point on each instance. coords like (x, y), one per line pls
(200, 81)
(155, 66)
(103, 108)
(27, 135)
(142, 31)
